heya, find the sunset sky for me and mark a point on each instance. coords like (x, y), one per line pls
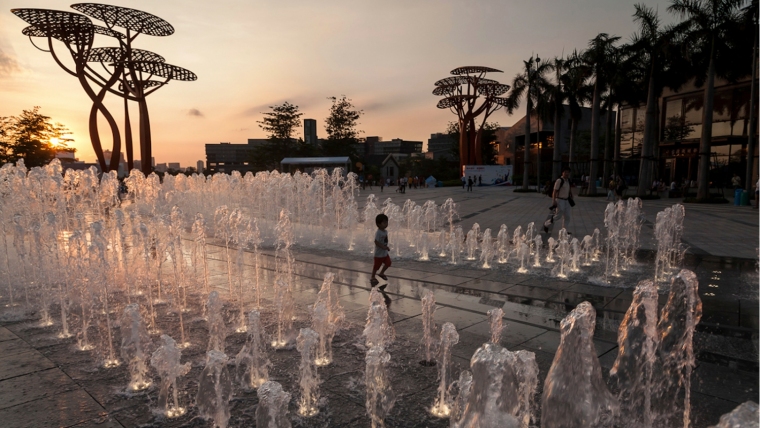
(384, 55)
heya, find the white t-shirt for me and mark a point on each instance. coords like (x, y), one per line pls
(381, 236)
(564, 189)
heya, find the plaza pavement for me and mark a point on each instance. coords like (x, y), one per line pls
(37, 392)
(721, 230)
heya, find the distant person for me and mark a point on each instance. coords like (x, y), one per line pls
(611, 189)
(469, 184)
(382, 255)
(480, 180)
(382, 184)
(562, 199)
(464, 182)
(736, 181)
(620, 188)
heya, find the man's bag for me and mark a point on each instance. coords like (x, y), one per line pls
(549, 223)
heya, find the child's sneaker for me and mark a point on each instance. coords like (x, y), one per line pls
(381, 275)
(374, 281)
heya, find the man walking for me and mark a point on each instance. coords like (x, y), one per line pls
(562, 198)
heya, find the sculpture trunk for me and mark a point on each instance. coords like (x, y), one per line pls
(463, 146)
(477, 149)
(128, 137)
(146, 164)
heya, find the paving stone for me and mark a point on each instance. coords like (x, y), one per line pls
(514, 333)
(23, 363)
(68, 409)
(33, 386)
(6, 334)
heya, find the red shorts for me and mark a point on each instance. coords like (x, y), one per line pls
(382, 261)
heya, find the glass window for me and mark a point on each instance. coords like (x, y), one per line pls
(721, 129)
(740, 110)
(695, 131)
(626, 145)
(737, 151)
(626, 119)
(722, 106)
(674, 108)
(693, 109)
(640, 118)
(721, 150)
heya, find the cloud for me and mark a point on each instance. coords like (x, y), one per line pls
(195, 112)
(8, 64)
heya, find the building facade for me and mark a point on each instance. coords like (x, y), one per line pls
(228, 157)
(440, 146)
(680, 129)
(375, 146)
(310, 132)
(543, 139)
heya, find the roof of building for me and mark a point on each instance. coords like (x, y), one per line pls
(316, 160)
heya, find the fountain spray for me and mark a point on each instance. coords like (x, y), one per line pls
(449, 338)
(166, 361)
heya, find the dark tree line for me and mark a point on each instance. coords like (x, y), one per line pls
(283, 122)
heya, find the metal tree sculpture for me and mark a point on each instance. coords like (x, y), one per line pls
(132, 68)
(469, 95)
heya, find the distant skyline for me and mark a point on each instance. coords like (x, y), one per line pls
(385, 56)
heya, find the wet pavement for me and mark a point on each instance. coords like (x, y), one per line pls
(45, 383)
(719, 230)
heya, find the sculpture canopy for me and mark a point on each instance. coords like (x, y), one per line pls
(70, 28)
(131, 19)
(469, 94)
(133, 69)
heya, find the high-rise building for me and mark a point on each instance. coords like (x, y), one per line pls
(199, 167)
(440, 145)
(310, 131)
(174, 165)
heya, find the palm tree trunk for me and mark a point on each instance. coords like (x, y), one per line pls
(594, 156)
(571, 154)
(526, 158)
(616, 162)
(607, 142)
(645, 167)
(705, 143)
(748, 182)
(557, 155)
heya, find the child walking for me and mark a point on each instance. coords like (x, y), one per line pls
(382, 257)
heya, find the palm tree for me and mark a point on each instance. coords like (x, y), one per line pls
(556, 111)
(707, 26)
(531, 82)
(577, 93)
(596, 57)
(750, 22)
(650, 41)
